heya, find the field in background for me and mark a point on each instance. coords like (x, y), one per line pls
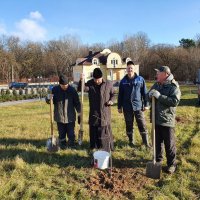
(28, 171)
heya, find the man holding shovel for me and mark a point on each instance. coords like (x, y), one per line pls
(167, 94)
(66, 101)
(101, 94)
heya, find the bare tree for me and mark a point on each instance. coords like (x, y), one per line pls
(61, 54)
(136, 46)
(116, 46)
(7, 61)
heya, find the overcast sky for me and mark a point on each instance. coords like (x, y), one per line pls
(101, 21)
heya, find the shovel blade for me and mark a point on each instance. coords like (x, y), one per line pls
(153, 170)
(52, 144)
(80, 137)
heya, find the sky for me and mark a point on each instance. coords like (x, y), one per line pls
(164, 21)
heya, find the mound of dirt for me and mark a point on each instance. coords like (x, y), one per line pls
(121, 183)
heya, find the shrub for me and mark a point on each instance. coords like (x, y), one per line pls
(21, 91)
(3, 92)
(8, 91)
(14, 92)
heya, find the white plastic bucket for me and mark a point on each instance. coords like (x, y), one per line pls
(101, 159)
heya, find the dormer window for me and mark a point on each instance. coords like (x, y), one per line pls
(95, 61)
(114, 62)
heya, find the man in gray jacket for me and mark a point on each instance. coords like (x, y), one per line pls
(167, 93)
(66, 101)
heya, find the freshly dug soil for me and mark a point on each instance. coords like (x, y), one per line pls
(121, 183)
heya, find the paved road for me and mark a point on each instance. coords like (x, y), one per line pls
(11, 103)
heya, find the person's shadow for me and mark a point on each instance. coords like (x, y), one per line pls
(70, 158)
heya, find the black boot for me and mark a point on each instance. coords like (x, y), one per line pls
(145, 140)
(72, 144)
(63, 144)
(130, 138)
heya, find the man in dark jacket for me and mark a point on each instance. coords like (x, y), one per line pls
(132, 101)
(66, 101)
(101, 94)
(167, 93)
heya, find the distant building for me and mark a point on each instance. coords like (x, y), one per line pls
(111, 64)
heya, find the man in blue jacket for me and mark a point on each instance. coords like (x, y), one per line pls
(132, 101)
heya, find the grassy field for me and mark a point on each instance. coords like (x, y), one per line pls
(28, 171)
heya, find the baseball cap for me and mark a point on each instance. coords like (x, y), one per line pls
(165, 69)
(130, 62)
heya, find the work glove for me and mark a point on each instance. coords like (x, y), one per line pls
(109, 103)
(79, 119)
(154, 93)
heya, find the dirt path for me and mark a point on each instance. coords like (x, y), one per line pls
(11, 103)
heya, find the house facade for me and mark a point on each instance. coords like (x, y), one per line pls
(111, 64)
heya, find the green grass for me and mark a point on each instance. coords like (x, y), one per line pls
(28, 171)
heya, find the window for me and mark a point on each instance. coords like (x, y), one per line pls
(95, 61)
(90, 74)
(114, 62)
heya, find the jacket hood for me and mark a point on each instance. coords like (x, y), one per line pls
(169, 78)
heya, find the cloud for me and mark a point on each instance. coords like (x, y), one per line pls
(2, 29)
(36, 15)
(30, 28)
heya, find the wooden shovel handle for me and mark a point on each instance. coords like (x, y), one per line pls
(153, 128)
(51, 113)
(82, 94)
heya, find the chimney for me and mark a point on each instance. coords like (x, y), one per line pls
(90, 53)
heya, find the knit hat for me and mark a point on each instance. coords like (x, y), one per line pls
(97, 73)
(63, 80)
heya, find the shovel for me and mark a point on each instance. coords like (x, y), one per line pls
(153, 169)
(80, 134)
(52, 142)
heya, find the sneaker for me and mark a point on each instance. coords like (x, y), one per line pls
(171, 169)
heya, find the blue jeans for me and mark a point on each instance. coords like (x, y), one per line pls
(66, 129)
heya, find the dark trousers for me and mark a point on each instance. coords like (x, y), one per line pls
(129, 116)
(165, 136)
(101, 137)
(66, 129)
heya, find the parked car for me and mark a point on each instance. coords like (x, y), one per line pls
(17, 85)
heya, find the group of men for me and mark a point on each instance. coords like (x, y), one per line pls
(133, 100)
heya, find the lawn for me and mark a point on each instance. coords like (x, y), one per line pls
(28, 171)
